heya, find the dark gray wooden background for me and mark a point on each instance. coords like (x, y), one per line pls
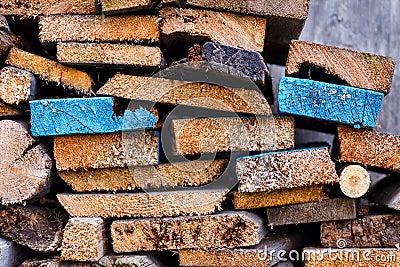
(371, 26)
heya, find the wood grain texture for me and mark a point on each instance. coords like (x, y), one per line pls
(68, 116)
(32, 8)
(170, 203)
(387, 192)
(122, 6)
(191, 173)
(329, 102)
(16, 86)
(190, 25)
(222, 230)
(72, 79)
(37, 228)
(255, 256)
(138, 29)
(356, 69)
(360, 257)
(324, 210)
(367, 232)
(84, 239)
(212, 135)
(368, 148)
(195, 94)
(281, 170)
(8, 39)
(105, 150)
(110, 55)
(280, 197)
(26, 166)
(354, 181)
(8, 111)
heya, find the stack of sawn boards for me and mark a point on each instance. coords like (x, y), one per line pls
(120, 214)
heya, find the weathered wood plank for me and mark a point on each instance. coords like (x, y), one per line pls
(10, 253)
(138, 29)
(190, 25)
(177, 92)
(154, 204)
(367, 232)
(122, 6)
(84, 239)
(106, 150)
(223, 230)
(255, 256)
(329, 102)
(7, 111)
(110, 55)
(355, 69)
(368, 148)
(354, 181)
(26, 166)
(324, 210)
(84, 116)
(7, 38)
(48, 70)
(16, 86)
(232, 134)
(387, 192)
(360, 257)
(280, 197)
(38, 228)
(192, 173)
(285, 169)
(33, 8)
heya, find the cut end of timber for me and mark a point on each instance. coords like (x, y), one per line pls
(106, 54)
(106, 150)
(137, 29)
(194, 173)
(223, 230)
(26, 166)
(84, 239)
(7, 111)
(51, 71)
(354, 181)
(16, 86)
(173, 203)
(348, 67)
(247, 32)
(286, 169)
(279, 197)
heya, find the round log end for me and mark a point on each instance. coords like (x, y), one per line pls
(354, 181)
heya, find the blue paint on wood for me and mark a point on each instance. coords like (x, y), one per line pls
(330, 102)
(51, 117)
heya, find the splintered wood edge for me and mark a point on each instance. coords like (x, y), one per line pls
(354, 181)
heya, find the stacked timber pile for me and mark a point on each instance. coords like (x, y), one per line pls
(139, 133)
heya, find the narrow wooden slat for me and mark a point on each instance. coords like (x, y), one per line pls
(176, 92)
(51, 117)
(324, 210)
(286, 169)
(279, 197)
(37, 228)
(84, 239)
(367, 232)
(112, 55)
(355, 69)
(172, 203)
(223, 230)
(106, 150)
(329, 102)
(368, 148)
(7, 111)
(52, 71)
(122, 6)
(210, 135)
(190, 25)
(192, 173)
(136, 29)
